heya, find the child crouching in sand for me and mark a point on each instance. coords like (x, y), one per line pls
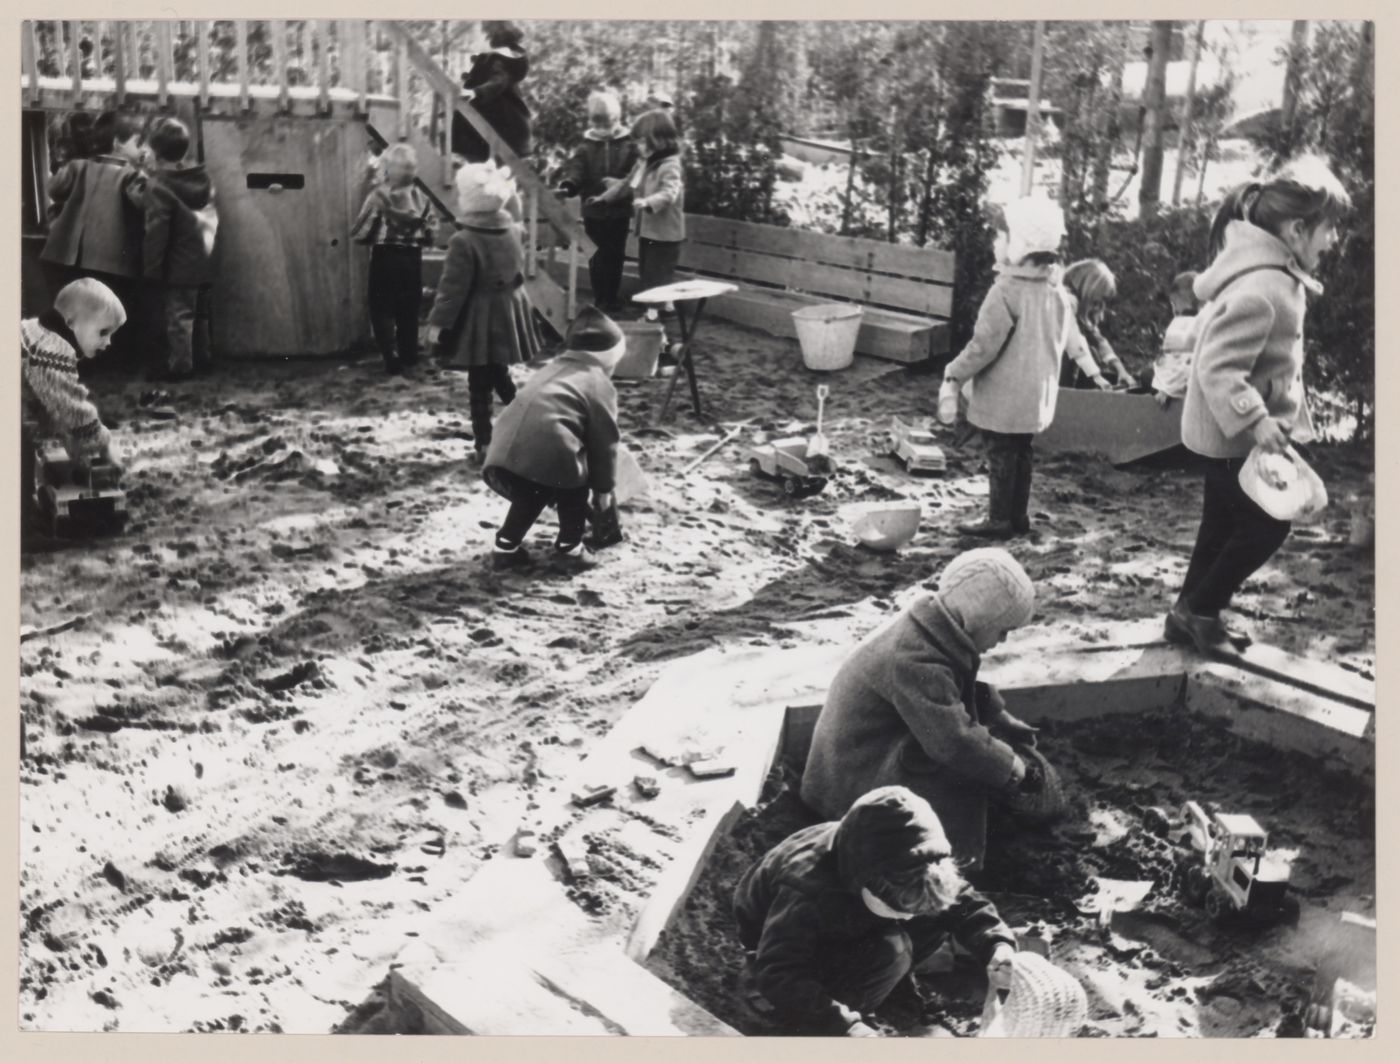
(838, 914)
(557, 441)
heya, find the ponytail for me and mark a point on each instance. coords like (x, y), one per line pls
(1305, 189)
(1236, 206)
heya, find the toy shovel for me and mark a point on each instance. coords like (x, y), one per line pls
(818, 447)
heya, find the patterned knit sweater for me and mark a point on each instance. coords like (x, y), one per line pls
(49, 369)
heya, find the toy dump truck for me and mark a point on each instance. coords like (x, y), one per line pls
(1344, 989)
(75, 496)
(785, 460)
(1224, 866)
(914, 447)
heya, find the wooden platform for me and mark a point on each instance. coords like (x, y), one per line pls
(1115, 424)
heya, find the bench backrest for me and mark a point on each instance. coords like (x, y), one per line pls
(912, 279)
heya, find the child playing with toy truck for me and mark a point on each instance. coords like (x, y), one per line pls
(839, 914)
(1011, 367)
(79, 326)
(906, 707)
(1172, 369)
(557, 441)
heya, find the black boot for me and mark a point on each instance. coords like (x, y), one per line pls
(1001, 476)
(1021, 493)
(481, 423)
(607, 527)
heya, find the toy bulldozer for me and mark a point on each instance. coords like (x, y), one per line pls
(1223, 866)
(76, 497)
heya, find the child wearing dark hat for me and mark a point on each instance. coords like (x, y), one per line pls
(557, 441)
(838, 914)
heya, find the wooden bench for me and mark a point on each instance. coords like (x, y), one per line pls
(907, 292)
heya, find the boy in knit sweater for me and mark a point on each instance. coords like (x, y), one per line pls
(80, 325)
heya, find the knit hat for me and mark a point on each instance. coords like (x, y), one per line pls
(484, 188)
(1033, 223)
(987, 590)
(593, 332)
(888, 830)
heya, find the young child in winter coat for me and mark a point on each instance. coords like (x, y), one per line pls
(1091, 284)
(557, 441)
(606, 157)
(906, 707)
(178, 249)
(481, 318)
(1246, 383)
(657, 185)
(1172, 370)
(397, 222)
(85, 315)
(1010, 369)
(838, 914)
(492, 86)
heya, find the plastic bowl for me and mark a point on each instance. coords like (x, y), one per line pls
(886, 526)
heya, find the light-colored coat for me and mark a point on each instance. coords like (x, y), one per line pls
(1012, 363)
(661, 196)
(1248, 362)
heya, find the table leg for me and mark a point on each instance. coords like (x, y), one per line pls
(689, 341)
(687, 333)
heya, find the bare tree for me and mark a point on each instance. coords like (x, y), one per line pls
(1154, 116)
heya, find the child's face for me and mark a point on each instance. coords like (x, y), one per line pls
(601, 119)
(131, 150)
(1309, 245)
(399, 172)
(988, 638)
(93, 332)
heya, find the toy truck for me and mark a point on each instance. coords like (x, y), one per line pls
(1344, 988)
(914, 447)
(785, 460)
(75, 495)
(1223, 866)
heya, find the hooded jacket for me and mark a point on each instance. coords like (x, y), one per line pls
(1248, 362)
(495, 77)
(906, 709)
(601, 155)
(176, 251)
(96, 216)
(802, 901)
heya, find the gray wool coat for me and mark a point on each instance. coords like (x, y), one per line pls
(906, 710)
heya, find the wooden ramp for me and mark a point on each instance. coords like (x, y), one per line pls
(1118, 425)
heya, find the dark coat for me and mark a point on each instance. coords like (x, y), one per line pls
(906, 710)
(175, 252)
(561, 429)
(802, 903)
(481, 303)
(612, 155)
(495, 77)
(96, 222)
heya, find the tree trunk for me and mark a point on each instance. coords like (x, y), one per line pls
(1288, 113)
(1033, 110)
(1154, 102)
(1112, 129)
(1183, 140)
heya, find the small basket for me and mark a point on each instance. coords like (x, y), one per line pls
(1044, 805)
(827, 335)
(1044, 1001)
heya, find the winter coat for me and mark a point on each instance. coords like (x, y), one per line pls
(96, 222)
(1012, 362)
(561, 430)
(905, 709)
(1249, 345)
(495, 77)
(175, 251)
(481, 303)
(661, 195)
(49, 370)
(401, 216)
(802, 901)
(600, 155)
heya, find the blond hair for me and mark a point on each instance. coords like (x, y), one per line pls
(605, 99)
(925, 890)
(86, 297)
(399, 152)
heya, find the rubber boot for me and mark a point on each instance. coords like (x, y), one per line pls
(1001, 476)
(1021, 493)
(607, 527)
(480, 406)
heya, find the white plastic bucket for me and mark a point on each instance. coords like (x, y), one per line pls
(827, 335)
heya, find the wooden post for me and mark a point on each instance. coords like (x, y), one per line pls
(1183, 140)
(321, 37)
(240, 35)
(119, 59)
(532, 221)
(201, 28)
(165, 62)
(75, 60)
(29, 43)
(571, 305)
(1033, 110)
(278, 28)
(352, 41)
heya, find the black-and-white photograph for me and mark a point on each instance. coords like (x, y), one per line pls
(698, 528)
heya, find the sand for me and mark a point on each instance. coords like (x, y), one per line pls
(302, 711)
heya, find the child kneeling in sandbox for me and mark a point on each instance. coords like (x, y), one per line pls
(839, 914)
(557, 440)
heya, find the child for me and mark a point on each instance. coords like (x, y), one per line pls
(396, 221)
(606, 157)
(176, 254)
(1172, 369)
(557, 440)
(493, 88)
(80, 326)
(96, 202)
(1246, 383)
(1011, 365)
(1091, 285)
(906, 708)
(481, 313)
(838, 914)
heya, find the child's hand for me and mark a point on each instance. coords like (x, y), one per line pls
(999, 967)
(611, 182)
(1162, 399)
(1270, 435)
(1101, 382)
(469, 94)
(434, 333)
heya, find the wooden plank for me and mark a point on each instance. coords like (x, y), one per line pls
(165, 61)
(201, 29)
(29, 45)
(240, 33)
(121, 58)
(75, 58)
(321, 38)
(632, 999)
(277, 28)
(352, 45)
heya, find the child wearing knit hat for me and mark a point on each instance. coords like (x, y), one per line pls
(906, 708)
(557, 441)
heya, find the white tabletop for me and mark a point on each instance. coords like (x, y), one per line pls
(681, 291)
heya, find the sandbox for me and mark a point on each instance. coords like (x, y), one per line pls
(642, 944)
